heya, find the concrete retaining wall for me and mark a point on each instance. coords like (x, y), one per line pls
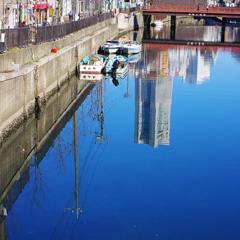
(32, 53)
(45, 73)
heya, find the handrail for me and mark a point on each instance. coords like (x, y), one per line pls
(22, 36)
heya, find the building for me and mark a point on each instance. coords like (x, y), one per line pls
(10, 10)
(18, 13)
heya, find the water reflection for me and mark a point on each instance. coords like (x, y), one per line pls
(193, 65)
(21, 154)
(53, 164)
(154, 86)
(153, 110)
(153, 94)
(216, 33)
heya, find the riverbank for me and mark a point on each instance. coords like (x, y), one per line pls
(39, 73)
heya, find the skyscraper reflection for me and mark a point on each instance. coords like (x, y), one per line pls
(153, 94)
(154, 84)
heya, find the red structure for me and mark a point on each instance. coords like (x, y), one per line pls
(163, 46)
(198, 10)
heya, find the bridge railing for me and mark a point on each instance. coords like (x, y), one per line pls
(192, 9)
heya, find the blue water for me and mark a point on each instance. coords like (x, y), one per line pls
(182, 182)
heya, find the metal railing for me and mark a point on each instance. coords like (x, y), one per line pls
(16, 37)
(21, 37)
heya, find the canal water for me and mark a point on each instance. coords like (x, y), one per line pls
(153, 155)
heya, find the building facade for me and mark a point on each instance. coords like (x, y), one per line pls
(19, 13)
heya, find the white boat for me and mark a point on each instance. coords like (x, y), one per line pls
(116, 64)
(131, 48)
(122, 70)
(111, 47)
(91, 77)
(93, 64)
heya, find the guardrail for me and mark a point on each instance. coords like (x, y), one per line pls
(21, 37)
(16, 37)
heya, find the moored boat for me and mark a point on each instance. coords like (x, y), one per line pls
(111, 47)
(93, 64)
(117, 64)
(91, 77)
(131, 48)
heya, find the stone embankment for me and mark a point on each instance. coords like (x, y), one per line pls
(38, 73)
(35, 136)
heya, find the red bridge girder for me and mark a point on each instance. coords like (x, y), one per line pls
(192, 10)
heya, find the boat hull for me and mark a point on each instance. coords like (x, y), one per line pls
(131, 50)
(111, 50)
(91, 77)
(91, 69)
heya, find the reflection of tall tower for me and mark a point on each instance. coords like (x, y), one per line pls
(153, 93)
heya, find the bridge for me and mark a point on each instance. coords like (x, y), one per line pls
(198, 10)
(162, 7)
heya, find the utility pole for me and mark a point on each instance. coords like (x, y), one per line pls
(3, 13)
(75, 141)
(76, 209)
